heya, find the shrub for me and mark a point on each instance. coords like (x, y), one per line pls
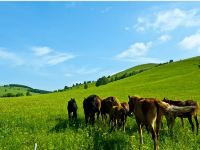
(28, 93)
(19, 94)
(85, 86)
(102, 81)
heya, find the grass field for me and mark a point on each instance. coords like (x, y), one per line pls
(42, 119)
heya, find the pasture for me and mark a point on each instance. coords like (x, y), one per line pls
(43, 119)
(14, 90)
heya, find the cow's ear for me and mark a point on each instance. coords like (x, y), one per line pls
(164, 98)
(129, 96)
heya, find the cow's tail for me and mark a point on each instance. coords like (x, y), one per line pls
(177, 110)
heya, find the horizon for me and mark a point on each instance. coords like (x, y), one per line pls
(49, 45)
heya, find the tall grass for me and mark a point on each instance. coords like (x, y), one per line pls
(42, 119)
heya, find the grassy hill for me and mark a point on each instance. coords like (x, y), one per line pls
(136, 69)
(133, 70)
(16, 88)
(42, 119)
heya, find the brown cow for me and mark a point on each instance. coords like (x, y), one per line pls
(91, 105)
(117, 117)
(126, 107)
(107, 104)
(193, 113)
(149, 112)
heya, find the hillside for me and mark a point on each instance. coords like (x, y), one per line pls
(42, 119)
(135, 69)
(123, 74)
(19, 89)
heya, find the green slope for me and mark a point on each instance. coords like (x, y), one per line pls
(16, 88)
(13, 90)
(42, 119)
(178, 80)
(136, 68)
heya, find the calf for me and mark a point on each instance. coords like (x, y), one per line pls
(106, 106)
(72, 110)
(117, 117)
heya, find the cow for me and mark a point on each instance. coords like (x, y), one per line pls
(193, 113)
(117, 116)
(91, 106)
(149, 112)
(107, 104)
(72, 110)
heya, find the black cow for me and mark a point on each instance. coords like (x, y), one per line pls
(72, 110)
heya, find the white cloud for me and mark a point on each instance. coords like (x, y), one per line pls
(165, 37)
(48, 56)
(11, 57)
(58, 58)
(40, 51)
(169, 20)
(191, 42)
(135, 50)
(137, 53)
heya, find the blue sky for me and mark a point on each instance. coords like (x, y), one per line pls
(48, 45)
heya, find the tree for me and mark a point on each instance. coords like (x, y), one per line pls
(102, 81)
(85, 86)
(66, 88)
(8, 95)
(28, 93)
(19, 94)
(171, 61)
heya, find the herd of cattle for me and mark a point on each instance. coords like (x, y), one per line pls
(148, 112)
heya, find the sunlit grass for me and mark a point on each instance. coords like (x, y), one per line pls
(42, 119)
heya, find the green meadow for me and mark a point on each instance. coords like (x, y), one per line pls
(13, 90)
(43, 119)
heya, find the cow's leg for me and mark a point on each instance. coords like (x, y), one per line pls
(102, 116)
(140, 133)
(154, 137)
(115, 123)
(124, 125)
(75, 115)
(190, 120)
(69, 117)
(170, 121)
(92, 117)
(197, 123)
(182, 122)
(158, 125)
(98, 113)
(86, 118)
